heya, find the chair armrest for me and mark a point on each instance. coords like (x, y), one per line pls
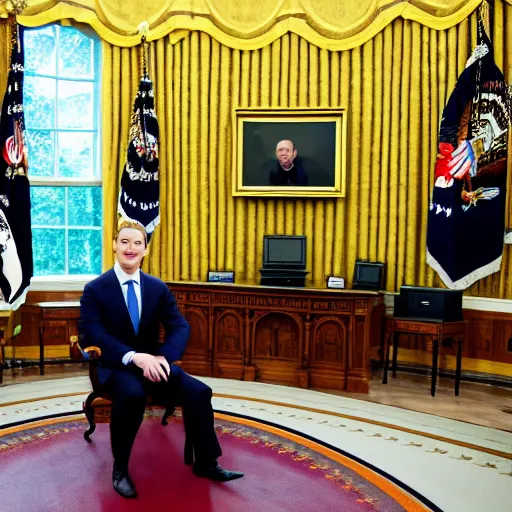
(91, 353)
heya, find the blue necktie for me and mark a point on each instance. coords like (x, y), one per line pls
(133, 305)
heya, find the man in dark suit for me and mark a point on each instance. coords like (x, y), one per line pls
(287, 170)
(121, 312)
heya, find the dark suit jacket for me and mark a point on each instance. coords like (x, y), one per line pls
(106, 323)
(296, 176)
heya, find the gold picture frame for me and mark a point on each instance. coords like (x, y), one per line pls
(318, 138)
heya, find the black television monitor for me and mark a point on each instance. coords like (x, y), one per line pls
(368, 276)
(284, 252)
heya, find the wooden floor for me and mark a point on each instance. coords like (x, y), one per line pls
(481, 404)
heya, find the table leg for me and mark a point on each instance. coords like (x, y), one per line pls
(395, 352)
(435, 352)
(459, 367)
(386, 360)
(41, 351)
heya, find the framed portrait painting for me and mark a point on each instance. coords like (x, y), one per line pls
(292, 152)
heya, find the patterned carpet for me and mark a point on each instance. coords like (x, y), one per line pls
(47, 466)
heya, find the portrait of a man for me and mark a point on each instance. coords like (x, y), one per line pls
(287, 169)
(289, 153)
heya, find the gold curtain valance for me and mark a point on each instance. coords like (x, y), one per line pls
(328, 24)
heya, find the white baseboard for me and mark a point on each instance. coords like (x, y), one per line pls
(59, 283)
(486, 304)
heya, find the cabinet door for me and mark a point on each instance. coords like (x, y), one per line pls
(502, 346)
(56, 339)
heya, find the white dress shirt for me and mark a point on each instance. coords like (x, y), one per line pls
(122, 277)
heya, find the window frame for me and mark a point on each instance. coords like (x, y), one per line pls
(71, 281)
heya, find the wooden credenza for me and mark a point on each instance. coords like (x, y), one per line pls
(486, 353)
(296, 336)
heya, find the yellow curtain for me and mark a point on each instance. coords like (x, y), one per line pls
(330, 25)
(394, 86)
(121, 73)
(5, 46)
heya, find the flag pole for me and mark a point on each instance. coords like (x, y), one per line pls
(13, 8)
(484, 13)
(143, 30)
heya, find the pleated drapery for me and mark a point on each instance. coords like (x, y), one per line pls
(333, 25)
(5, 54)
(394, 88)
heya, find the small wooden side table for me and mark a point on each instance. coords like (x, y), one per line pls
(436, 331)
(56, 315)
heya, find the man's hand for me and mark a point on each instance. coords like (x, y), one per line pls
(163, 362)
(154, 368)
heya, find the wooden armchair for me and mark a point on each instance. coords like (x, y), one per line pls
(98, 404)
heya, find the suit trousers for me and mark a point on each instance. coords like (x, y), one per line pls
(129, 390)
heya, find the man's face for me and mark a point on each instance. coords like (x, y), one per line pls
(286, 153)
(130, 248)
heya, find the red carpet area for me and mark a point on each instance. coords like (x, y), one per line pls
(48, 466)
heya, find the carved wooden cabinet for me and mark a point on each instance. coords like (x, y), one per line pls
(296, 336)
(236, 333)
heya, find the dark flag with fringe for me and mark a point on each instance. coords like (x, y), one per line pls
(15, 228)
(466, 221)
(139, 194)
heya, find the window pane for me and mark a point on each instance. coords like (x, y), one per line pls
(49, 251)
(40, 54)
(41, 153)
(84, 206)
(76, 51)
(39, 102)
(84, 251)
(47, 206)
(75, 105)
(75, 155)
(60, 92)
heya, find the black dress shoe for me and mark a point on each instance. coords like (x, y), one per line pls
(215, 472)
(123, 484)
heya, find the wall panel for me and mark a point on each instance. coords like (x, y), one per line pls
(394, 88)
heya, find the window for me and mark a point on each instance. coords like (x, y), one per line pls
(61, 101)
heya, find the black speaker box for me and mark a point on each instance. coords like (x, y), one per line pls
(429, 304)
(273, 277)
